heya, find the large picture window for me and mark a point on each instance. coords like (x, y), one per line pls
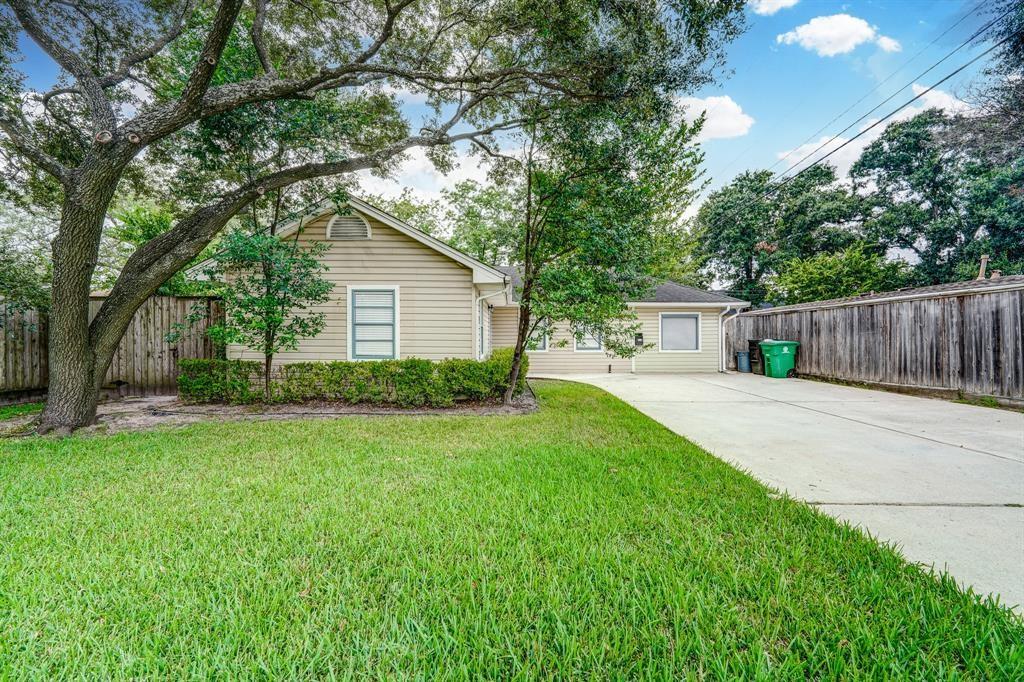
(680, 332)
(373, 323)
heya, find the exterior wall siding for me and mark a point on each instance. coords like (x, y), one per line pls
(436, 296)
(566, 360)
(653, 361)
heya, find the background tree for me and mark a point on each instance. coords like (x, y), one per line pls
(211, 69)
(945, 204)
(855, 270)
(750, 229)
(735, 230)
(270, 283)
(24, 261)
(483, 220)
(422, 214)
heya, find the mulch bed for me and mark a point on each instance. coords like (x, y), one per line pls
(142, 413)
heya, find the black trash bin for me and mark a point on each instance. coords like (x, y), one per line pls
(756, 358)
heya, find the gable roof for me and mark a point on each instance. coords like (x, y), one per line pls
(666, 292)
(970, 286)
(482, 273)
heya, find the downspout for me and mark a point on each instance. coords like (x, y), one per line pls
(721, 335)
(476, 311)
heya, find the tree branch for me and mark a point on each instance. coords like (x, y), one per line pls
(22, 141)
(123, 71)
(96, 99)
(202, 72)
(256, 34)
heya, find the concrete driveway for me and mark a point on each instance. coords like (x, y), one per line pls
(943, 481)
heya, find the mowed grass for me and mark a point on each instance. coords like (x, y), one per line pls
(582, 541)
(9, 411)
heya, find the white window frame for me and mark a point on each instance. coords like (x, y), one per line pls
(661, 322)
(599, 349)
(350, 317)
(546, 335)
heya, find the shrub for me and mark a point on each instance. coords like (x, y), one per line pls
(206, 381)
(407, 383)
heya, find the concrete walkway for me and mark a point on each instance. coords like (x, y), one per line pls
(943, 481)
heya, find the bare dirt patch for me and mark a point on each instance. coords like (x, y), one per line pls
(143, 413)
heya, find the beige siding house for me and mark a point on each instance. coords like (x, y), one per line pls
(681, 327)
(400, 293)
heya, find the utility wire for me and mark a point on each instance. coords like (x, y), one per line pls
(852, 106)
(775, 189)
(888, 99)
(890, 114)
(886, 80)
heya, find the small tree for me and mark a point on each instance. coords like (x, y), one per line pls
(601, 190)
(269, 282)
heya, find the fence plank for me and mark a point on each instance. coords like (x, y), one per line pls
(144, 360)
(972, 343)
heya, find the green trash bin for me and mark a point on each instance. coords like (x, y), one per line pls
(779, 358)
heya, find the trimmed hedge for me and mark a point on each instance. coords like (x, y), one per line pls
(406, 383)
(209, 381)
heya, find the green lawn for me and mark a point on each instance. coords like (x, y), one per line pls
(9, 411)
(581, 541)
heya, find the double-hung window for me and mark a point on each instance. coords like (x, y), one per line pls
(680, 332)
(373, 322)
(589, 342)
(538, 341)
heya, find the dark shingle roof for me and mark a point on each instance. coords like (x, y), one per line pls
(936, 290)
(667, 292)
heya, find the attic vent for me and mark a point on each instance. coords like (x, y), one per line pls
(348, 227)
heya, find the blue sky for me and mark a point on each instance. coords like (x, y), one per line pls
(799, 66)
(800, 63)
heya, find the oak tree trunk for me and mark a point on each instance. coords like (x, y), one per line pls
(76, 370)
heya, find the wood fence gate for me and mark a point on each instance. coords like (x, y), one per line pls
(144, 364)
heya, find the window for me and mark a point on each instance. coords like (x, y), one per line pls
(680, 332)
(373, 322)
(538, 341)
(589, 343)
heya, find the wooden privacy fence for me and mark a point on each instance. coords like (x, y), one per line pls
(145, 363)
(964, 339)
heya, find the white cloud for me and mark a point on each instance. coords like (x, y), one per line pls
(836, 34)
(769, 7)
(725, 118)
(936, 99)
(417, 173)
(888, 44)
(845, 157)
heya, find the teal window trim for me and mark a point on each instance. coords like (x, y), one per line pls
(354, 326)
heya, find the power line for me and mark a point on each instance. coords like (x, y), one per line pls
(775, 189)
(886, 80)
(852, 106)
(888, 99)
(890, 114)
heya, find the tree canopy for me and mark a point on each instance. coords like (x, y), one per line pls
(252, 107)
